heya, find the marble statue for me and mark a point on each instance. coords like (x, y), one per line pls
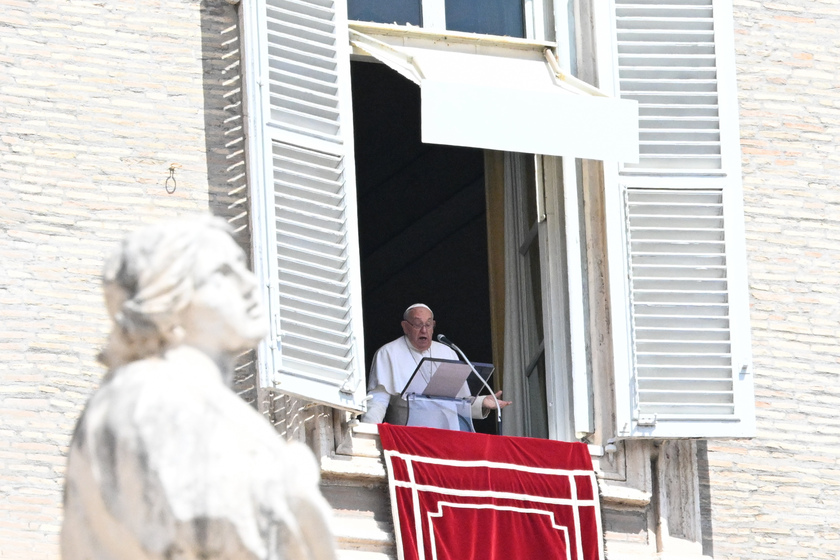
(166, 461)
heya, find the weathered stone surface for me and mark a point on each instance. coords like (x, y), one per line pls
(166, 461)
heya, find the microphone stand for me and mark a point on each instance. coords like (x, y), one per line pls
(441, 338)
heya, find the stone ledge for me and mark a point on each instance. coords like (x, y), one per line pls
(365, 429)
(612, 495)
(363, 555)
(343, 467)
(361, 530)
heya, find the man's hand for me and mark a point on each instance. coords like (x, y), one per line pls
(488, 401)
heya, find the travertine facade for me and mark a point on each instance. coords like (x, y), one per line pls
(777, 495)
(99, 99)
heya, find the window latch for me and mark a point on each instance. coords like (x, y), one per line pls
(646, 420)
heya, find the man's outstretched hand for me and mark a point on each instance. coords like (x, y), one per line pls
(488, 401)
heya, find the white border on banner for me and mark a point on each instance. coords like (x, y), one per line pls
(415, 488)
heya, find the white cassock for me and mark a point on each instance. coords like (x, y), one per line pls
(391, 369)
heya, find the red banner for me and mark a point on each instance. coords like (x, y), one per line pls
(458, 495)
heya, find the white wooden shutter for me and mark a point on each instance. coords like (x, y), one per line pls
(303, 192)
(675, 227)
(667, 62)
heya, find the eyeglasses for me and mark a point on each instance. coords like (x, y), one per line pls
(418, 326)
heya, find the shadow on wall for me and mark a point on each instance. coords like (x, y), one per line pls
(707, 534)
(223, 118)
(224, 139)
(224, 126)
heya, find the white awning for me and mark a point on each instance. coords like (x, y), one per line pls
(503, 94)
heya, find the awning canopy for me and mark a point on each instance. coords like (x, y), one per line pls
(503, 94)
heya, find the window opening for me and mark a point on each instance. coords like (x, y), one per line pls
(490, 17)
(401, 12)
(422, 219)
(526, 341)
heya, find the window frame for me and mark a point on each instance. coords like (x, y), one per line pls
(569, 379)
(569, 383)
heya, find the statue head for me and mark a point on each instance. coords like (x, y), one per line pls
(184, 281)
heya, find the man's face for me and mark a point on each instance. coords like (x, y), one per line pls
(419, 328)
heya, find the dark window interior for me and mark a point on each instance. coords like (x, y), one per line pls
(491, 17)
(422, 226)
(401, 12)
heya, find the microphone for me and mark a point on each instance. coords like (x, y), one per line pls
(443, 340)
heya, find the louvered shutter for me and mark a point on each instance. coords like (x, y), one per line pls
(675, 227)
(303, 187)
(667, 62)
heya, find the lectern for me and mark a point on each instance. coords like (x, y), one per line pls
(438, 395)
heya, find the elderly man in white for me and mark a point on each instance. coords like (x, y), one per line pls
(394, 363)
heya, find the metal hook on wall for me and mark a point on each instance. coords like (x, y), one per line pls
(171, 183)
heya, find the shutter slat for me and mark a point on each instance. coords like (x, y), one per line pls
(675, 47)
(688, 373)
(326, 343)
(696, 322)
(674, 334)
(323, 300)
(306, 369)
(284, 75)
(325, 115)
(686, 102)
(685, 359)
(317, 320)
(296, 50)
(318, 311)
(666, 68)
(305, 363)
(660, 396)
(688, 309)
(304, 15)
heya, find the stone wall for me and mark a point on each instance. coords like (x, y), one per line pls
(778, 495)
(97, 100)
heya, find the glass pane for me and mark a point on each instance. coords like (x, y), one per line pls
(491, 17)
(536, 416)
(530, 187)
(400, 12)
(536, 413)
(535, 294)
(531, 266)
